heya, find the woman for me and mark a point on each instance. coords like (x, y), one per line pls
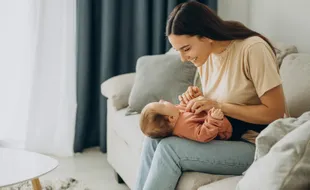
(239, 75)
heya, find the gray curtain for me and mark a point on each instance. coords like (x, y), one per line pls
(111, 35)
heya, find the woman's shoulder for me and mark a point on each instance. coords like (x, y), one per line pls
(253, 45)
(252, 41)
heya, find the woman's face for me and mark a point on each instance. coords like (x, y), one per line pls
(192, 48)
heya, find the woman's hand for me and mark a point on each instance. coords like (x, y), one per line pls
(199, 104)
(191, 93)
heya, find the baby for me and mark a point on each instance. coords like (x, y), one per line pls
(162, 119)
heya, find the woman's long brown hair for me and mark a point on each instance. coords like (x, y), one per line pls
(194, 18)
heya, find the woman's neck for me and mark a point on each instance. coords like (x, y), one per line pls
(221, 46)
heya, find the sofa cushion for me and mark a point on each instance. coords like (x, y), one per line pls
(287, 164)
(118, 89)
(295, 72)
(224, 184)
(172, 51)
(194, 180)
(159, 77)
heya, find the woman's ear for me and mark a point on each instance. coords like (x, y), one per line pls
(207, 40)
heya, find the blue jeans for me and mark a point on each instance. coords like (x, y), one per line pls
(164, 160)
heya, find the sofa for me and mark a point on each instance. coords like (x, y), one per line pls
(124, 137)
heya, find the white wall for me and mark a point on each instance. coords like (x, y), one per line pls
(280, 20)
(234, 10)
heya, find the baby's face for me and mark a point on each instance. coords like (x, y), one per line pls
(165, 108)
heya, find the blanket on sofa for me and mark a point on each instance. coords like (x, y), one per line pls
(282, 157)
(276, 131)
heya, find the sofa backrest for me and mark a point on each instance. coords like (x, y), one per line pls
(295, 74)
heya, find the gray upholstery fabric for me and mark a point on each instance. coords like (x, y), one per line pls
(295, 73)
(118, 89)
(172, 51)
(159, 77)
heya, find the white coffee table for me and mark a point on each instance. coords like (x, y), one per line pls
(18, 165)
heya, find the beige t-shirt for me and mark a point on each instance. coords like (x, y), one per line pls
(241, 74)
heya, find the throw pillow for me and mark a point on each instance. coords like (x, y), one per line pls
(286, 166)
(294, 72)
(172, 51)
(159, 77)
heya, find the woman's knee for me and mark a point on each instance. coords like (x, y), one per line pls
(167, 144)
(168, 147)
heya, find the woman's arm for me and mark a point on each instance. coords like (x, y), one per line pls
(262, 70)
(272, 108)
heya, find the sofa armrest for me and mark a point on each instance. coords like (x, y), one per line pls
(118, 89)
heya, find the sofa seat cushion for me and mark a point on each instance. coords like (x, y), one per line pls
(194, 180)
(127, 128)
(224, 184)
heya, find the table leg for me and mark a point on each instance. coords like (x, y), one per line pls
(36, 185)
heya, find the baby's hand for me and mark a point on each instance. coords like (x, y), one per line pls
(217, 114)
(191, 93)
(182, 103)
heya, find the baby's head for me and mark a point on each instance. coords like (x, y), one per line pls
(158, 119)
